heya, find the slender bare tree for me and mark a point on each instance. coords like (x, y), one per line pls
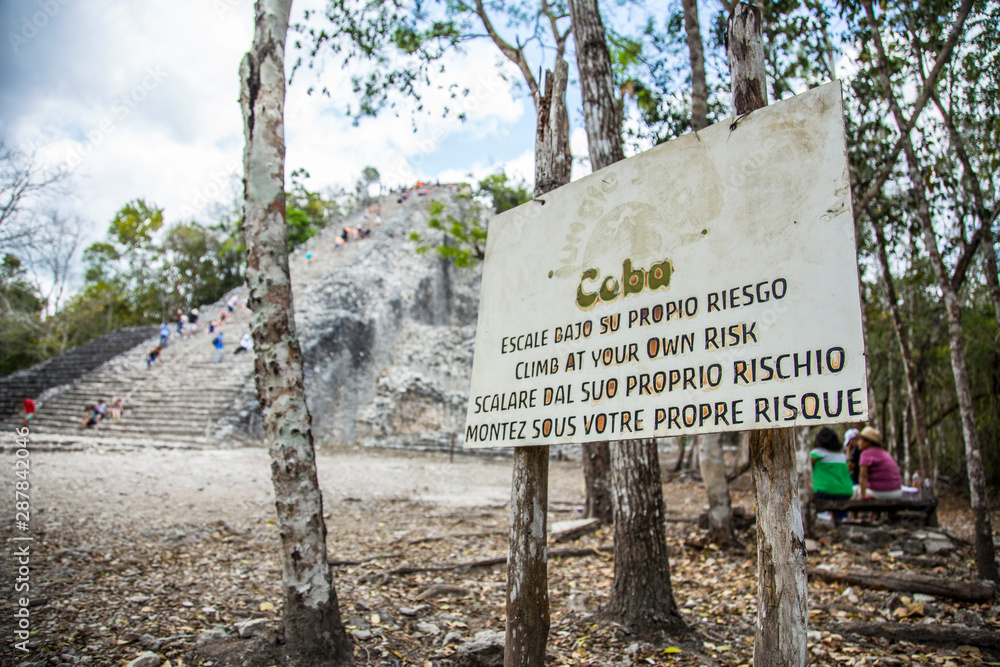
(696, 51)
(905, 352)
(780, 639)
(985, 549)
(22, 180)
(714, 475)
(642, 596)
(527, 557)
(314, 633)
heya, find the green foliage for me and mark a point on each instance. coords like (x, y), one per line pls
(300, 227)
(141, 273)
(913, 35)
(130, 278)
(126, 262)
(398, 43)
(307, 212)
(135, 223)
(20, 318)
(397, 47)
(503, 193)
(464, 236)
(370, 175)
(652, 71)
(194, 269)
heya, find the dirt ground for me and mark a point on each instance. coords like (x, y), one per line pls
(146, 550)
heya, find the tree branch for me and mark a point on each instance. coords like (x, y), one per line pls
(986, 219)
(515, 55)
(944, 55)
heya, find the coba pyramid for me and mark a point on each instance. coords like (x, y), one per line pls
(387, 336)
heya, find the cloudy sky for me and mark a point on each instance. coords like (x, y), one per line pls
(140, 99)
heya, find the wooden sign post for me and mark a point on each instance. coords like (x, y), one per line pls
(527, 556)
(780, 638)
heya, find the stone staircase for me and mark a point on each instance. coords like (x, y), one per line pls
(184, 401)
(68, 367)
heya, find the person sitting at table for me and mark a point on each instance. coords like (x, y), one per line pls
(878, 474)
(831, 478)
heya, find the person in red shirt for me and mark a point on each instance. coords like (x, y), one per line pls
(29, 411)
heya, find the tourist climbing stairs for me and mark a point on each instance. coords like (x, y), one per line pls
(184, 400)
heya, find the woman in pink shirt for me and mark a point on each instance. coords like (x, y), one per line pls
(879, 476)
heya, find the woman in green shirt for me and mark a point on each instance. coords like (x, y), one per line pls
(831, 476)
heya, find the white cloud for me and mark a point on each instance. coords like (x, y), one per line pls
(142, 99)
(398, 143)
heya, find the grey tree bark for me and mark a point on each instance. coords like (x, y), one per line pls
(803, 447)
(527, 558)
(598, 502)
(314, 634)
(641, 595)
(714, 474)
(984, 547)
(905, 352)
(560, 165)
(602, 121)
(942, 59)
(873, 415)
(780, 638)
(601, 112)
(984, 234)
(992, 274)
(696, 52)
(681, 450)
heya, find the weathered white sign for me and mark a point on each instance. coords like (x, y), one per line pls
(709, 284)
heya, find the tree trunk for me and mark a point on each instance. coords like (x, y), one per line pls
(873, 416)
(903, 338)
(314, 634)
(696, 50)
(602, 123)
(889, 434)
(601, 115)
(985, 548)
(942, 59)
(907, 461)
(681, 449)
(642, 598)
(747, 68)
(692, 463)
(713, 475)
(551, 138)
(804, 446)
(597, 481)
(527, 560)
(985, 217)
(992, 276)
(780, 638)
